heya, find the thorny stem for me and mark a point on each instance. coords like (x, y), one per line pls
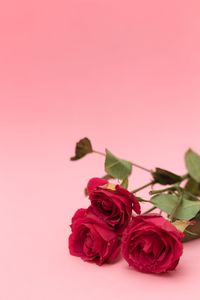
(140, 167)
(143, 187)
(98, 152)
(133, 164)
(171, 188)
(149, 210)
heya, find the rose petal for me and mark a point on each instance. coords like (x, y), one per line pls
(94, 183)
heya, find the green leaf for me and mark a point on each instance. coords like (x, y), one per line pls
(165, 202)
(107, 177)
(193, 187)
(192, 161)
(116, 167)
(165, 177)
(83, 147)
(142, 199)
(124, 183)
(187, 210)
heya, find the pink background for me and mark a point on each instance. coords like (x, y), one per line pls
(124, 73)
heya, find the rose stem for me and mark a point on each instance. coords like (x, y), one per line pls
(143, 200)
(143, 187)
(171, 188)
(133, 164)
(185, 176)
(149, 210)
(191, 195)
(98, 152)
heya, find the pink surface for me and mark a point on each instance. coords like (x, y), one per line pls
(124, 73)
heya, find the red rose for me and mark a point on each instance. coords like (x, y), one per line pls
(112, 203)
(92, 240)
(152, 244)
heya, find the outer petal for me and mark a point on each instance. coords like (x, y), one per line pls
(93, 183)
(105, 244)
(131, 197)
(159, 221)
(79, 214)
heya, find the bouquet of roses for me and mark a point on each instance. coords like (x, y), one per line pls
(113, 224)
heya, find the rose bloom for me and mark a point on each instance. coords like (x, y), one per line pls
(152, 244)
(112, 203)
(92, 240)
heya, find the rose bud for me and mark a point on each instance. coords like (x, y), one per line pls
(112, 203)
(92, 240)
(152, 244)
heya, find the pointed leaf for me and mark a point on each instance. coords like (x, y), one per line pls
(116, 167)
(83, 147)
(107, 177)
(124, 183)
(192, 161)
(193, 187)
(187, 210)
(165, 177)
